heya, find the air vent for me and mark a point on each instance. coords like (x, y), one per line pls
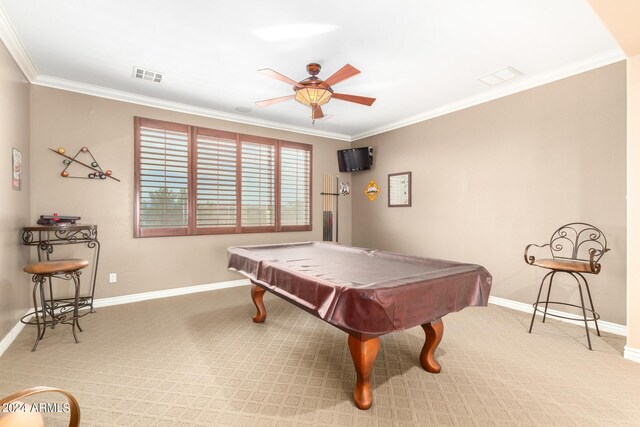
(151, 76)
(500, 76)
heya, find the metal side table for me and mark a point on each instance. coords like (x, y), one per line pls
(47, 237)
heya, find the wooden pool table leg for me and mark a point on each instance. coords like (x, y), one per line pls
(257, 293)
(363, 353)
(433, 335)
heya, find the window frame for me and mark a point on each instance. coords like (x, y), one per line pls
(295, 146)
(192, 187)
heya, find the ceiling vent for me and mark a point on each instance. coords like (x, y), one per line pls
(500, 76)
(151, 76)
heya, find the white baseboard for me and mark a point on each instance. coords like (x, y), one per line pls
(604, 326)
(614, 328)
(12, 335)
(145, 296)
(632, 353)
(126, 299)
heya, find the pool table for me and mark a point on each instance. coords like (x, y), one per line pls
(366, 293)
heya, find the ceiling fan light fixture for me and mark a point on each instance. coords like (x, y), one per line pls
(314, 92)
(313, 96)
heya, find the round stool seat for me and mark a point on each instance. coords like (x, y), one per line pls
(57, 266)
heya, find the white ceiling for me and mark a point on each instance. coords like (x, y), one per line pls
(419, 58)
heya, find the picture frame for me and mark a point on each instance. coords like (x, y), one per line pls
(400, 190)
(16, 169)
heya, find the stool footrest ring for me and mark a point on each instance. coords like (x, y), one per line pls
(595, 317)
(31, 316)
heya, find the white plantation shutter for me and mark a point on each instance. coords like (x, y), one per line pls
(191, 180)
(258, 181)
(216, 185)
(163, 182)
(295, 186)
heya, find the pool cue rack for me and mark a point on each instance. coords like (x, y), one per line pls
(329, 201)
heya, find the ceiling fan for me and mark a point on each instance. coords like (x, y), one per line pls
(314, 92)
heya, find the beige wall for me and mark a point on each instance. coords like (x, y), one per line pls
(14, 205)
(71, 120)
(633, 212)
(490, 179)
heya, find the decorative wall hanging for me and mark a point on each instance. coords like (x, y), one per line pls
(16, 168)
(372, 190)
(328, 196)
(95, 167)
(400, 189)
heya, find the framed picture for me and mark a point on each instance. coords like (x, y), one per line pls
(400, 189)
(16, 167)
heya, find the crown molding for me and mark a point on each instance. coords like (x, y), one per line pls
(518, 85)
(17, 50)
(15, 47)
(118, 95)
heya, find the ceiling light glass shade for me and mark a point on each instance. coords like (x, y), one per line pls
(313, 97)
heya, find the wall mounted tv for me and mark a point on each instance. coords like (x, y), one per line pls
(355, 159)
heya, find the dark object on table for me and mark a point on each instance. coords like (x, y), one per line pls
(575, 248)
(57, 219)
(366, 293)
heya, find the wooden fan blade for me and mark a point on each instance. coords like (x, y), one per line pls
(276, 75)
(342, 74)
(266, 102)
(317, 113)
(354, 98)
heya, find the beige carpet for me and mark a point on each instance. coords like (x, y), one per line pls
(200, 360)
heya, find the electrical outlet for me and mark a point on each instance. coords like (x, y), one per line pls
(113, 277)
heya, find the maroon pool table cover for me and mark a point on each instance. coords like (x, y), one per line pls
(363, 291)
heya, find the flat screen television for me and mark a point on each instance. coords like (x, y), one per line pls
(355, 159)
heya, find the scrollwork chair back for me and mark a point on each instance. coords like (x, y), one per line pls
(576, 241)
(576, 248)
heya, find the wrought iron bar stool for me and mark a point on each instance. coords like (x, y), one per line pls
(58, 310)
(576, 249)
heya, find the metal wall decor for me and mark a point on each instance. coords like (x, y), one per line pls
(344, 189)
(97, 171)
(16, 167)
(372, 190)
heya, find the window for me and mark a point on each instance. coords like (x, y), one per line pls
(216, 182)
(192, 180)
(295, 186)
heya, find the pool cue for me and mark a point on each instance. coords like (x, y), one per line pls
(327, 207)
(329, 179)
(337, 189)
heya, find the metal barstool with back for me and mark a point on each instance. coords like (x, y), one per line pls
(576, 249)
